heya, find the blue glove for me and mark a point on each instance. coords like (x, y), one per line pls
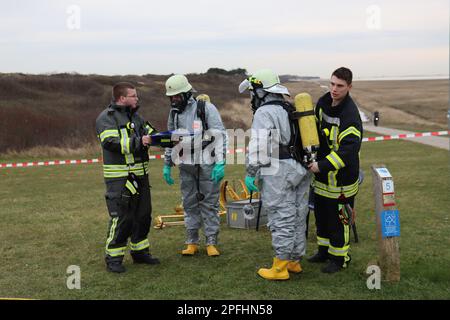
(250, 184)
(218, 172)
(167, 176)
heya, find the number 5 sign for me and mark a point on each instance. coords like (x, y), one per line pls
(388, 186)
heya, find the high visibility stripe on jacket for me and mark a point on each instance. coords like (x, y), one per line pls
(334, 192)
(125, 148)
(346, 132)
(121, 170)
(335, 160)
(109, 133)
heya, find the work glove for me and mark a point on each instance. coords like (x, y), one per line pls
(250, 184)
(167, 175)
(218, 172)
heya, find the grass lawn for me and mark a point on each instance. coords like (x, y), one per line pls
(54, 217)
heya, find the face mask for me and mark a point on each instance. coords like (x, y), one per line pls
(255, 103)
(179, 105)
(257, 98)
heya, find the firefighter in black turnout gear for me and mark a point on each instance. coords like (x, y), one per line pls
(336, 171)
(124, 139)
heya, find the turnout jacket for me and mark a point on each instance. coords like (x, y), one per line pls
(340, 134)
(120, 130)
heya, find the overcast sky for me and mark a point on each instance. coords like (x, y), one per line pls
(373, 38)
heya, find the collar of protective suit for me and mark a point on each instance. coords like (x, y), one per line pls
(273, 97)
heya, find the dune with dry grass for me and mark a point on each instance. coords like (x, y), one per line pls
(55, 114)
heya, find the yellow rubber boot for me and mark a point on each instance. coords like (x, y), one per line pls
(294, 267)
(278, 271)
(190, 250)
(212, 251)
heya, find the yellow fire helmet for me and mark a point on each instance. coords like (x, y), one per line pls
(177, 84)
(264, 79)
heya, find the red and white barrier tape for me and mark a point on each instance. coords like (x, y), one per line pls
(241, 150)
(406, 136)
(48, 163)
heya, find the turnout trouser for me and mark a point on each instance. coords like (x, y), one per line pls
(333, 236)
(130, 217)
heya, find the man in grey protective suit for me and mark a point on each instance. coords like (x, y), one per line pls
(284, 182)
(201, 164)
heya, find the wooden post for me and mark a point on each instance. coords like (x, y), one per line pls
(388, 223)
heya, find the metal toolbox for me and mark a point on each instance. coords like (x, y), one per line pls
(235, 215)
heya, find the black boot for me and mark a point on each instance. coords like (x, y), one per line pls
(332, 267)
(321, 255)
(145, 258)
(114, 266)
(318, 258)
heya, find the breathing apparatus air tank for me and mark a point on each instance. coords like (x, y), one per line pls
(204, 97)
(307, 123)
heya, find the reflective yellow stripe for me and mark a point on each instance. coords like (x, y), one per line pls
(335, 121)
(129, 158)
(125, 146)
(124, 167)
(115, 175)
(334, 137)
(334, 192)
(149, 129)
(349, 130)
(109, 133)
(115, 252)
(332, 181)
(323, 241)
(334, 195)
(122, 174)
(335, 189)
(130, 187)
(111, 231)
(335, 160)
(346, 234)
(339, 252)
(140, 245)
(124, 141)
(121, 170)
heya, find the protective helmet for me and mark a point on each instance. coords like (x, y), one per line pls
(177, 84)
(266, 80)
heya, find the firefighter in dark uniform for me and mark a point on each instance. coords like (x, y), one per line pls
(336, 171)
(124, 139)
